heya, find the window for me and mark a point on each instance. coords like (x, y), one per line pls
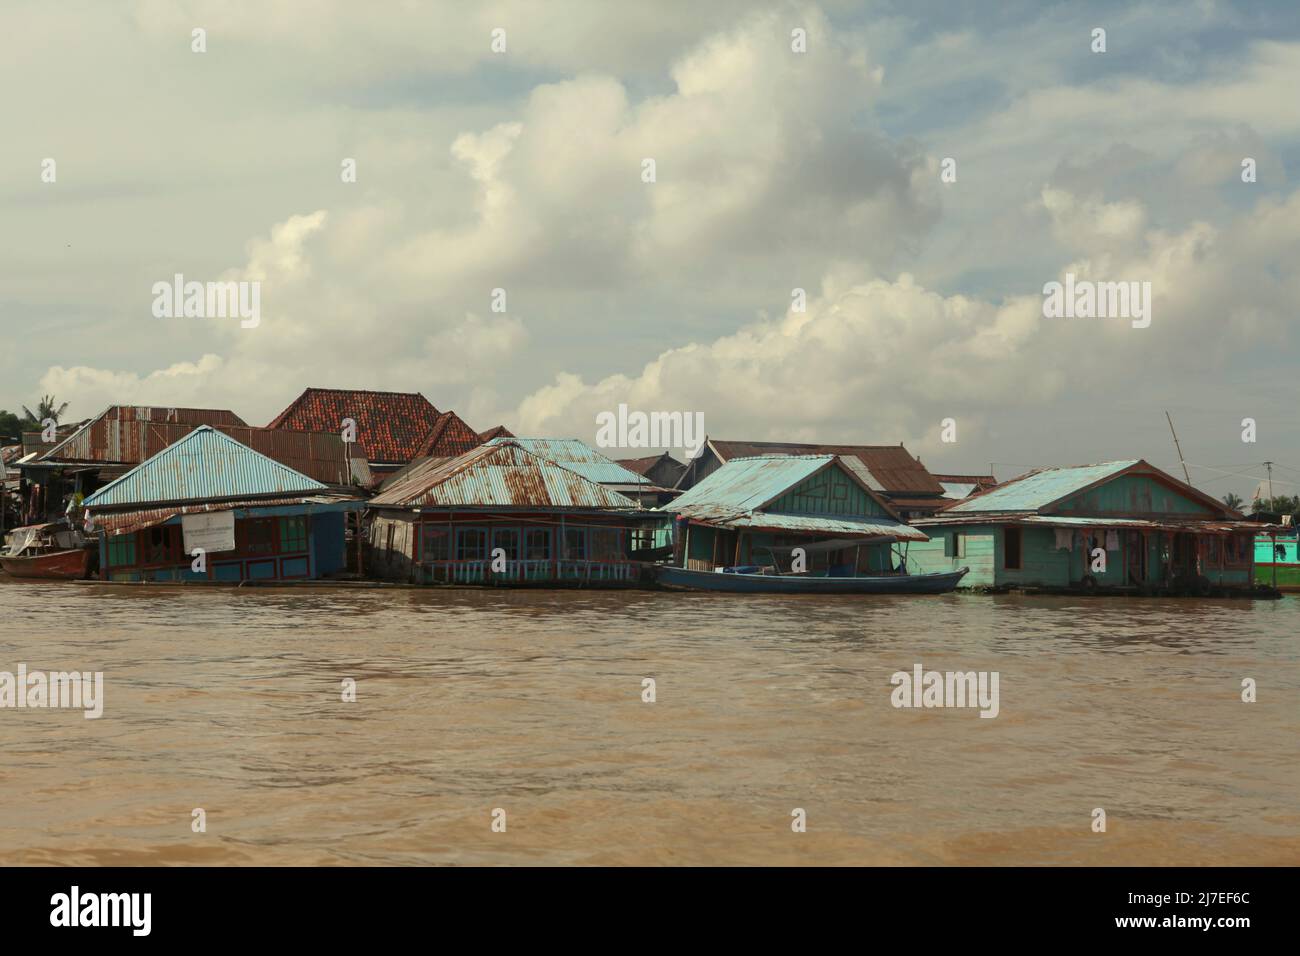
(470, 544)
(121, 550)
(606, 544)
(435, 543)
(507, 539)
(293, 534)
(1239, 547)
(1011, 549)
(538, 544)
(954, 545)
(575, 544)
(162, 545)
(259, 536)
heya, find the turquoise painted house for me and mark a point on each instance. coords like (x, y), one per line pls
(1122, 526)
(754, 511)
(250, 517)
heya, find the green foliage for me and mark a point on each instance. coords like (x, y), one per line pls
(11, 426)
(45, 408)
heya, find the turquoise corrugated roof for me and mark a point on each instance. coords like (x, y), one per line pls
(205, 464)
(732, 496)
(744, 484)
(498, 474)
(1040, 489)
(577, 455)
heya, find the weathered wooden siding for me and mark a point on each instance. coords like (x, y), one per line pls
(980, 554)
(829, 492)
(1132, 496)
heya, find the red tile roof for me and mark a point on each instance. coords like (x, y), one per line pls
(390, 425)
(449, 437)
(496, 431)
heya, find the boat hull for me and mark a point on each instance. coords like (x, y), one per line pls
(58, 565)
(683, 579)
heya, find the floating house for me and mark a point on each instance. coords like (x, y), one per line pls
(122, 436)
(892, 472)
(504, 514)
(254, 518)
(753, 511)
(1122, 526)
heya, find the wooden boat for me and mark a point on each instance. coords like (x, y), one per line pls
(748, 583)
(58, 565)
(49, 551)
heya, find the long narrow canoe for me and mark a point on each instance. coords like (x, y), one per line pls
(683, 579)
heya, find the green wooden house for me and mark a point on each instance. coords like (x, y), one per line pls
(1121, 526)
(753, 511)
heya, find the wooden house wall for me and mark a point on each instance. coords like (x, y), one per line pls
(1132, 496)
(435, 547)
(829, 492)
(1043, 564)
(978, 552)
(267, 548)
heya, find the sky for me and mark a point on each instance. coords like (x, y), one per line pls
(921, 171)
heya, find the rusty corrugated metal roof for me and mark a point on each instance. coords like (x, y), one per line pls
(97, 440)
(576, 455)
(500, 474)
(205, 464)
(892, 465)
(390, 425)
(125, 522)
(121, 435)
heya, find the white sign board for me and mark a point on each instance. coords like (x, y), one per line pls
(212, 532)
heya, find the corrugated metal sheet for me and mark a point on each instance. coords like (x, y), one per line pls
(744, 484)
(983, 482)
(205, 464)
(958, 490)
(500, 474)
(1038, 489)
(876, 527)
(1198, 525)
(390, 425)
(893, 466)
(125, 522)
(732, 497)
(577, 455)
(123, 436)
(99, 440)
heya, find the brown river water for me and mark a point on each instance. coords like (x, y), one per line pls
(531, 702)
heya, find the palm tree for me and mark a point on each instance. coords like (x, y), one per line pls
(1233, 501)
(45, 408)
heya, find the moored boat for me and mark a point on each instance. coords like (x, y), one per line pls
(742, 582)
(49, 551)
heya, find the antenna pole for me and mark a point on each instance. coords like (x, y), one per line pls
(1178, 448)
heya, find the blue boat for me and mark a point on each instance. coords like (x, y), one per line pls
(746, 582)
